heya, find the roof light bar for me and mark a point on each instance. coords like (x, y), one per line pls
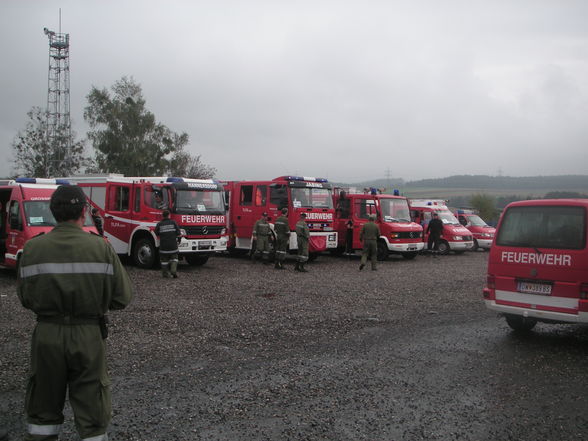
(42, 181)
(303, 178)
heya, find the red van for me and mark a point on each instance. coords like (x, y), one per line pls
(482, 233)
(538, 263)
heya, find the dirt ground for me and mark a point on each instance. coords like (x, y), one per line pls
(240, 351)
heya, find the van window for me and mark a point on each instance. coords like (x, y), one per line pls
(560, 227)
(364, 208)
(119, 198)
(279, 195)
(14, 216)
(260, 195)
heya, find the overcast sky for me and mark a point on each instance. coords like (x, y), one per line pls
(341, 89)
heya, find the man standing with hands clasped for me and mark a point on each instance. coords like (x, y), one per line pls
(70, 279)
(369, 235)
(435, 229)
(302, 237)
(169, 233)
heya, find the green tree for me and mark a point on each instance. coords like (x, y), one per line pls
(36, 156)
(125, 135)
(485, 206)
(189, 166)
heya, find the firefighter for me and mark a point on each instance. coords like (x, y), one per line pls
(282, 229)
(434, 228)
(302, 237)
(369, 235)
(98, 221)
(169, 234)
(70, 279)
(261, 234)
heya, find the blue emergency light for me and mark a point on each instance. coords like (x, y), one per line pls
(396, 192)
(42, 181)
(173, 179)
(304, 178)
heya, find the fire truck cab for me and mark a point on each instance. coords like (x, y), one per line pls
(482, 233)
(132, 206)
(25, 213)
(399, 235)
(455, 237)
(313, 196)
(538, 263)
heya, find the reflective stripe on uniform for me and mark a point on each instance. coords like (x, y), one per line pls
(280, 252)
(45, 429)
(97, 438)
(167, 228)
(66, 268)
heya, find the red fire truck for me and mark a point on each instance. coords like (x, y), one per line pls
(132, 206)
(482, 233)
(455, 237)
(399, 235)
(313, 196)
(25, 213)
(538, 263)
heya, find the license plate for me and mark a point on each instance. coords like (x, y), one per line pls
(411, 248)
(534, 288)
(205, 243)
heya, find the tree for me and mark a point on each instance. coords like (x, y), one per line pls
(125, 135)
(485, 205)
(188, 166)
(36, 156)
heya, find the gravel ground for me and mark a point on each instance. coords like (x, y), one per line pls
(240, 351)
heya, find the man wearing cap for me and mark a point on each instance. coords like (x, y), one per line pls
(261, 233)
(169, 234)
(302, 238)
(70, 279)
(435, 229)
(369, 235)
(282, 229)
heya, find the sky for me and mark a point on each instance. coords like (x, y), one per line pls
(343, 89)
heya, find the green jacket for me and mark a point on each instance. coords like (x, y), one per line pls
(261, 228)
(369, 231)
(302, 231)
(73, 273)
(282, 227)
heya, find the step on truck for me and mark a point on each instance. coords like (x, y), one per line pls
(538, 263)
(455, 237)
(249, 199)
(482, 233)
(132, 206)
(25, 213)
(399, 235)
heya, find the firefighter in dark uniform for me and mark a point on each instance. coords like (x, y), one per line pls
(282, 230)
(435, 228)
(169, 234)
(369, 235)
(98, 223)
(70, 279)
(261, 236)
(302, 238)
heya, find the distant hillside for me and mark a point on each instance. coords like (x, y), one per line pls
(563, 182)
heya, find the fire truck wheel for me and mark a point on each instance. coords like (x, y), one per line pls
(410, 255)
(196, 259)
(476, 246)
(520, 323)
(382, 251)
(444, 247)
(144, 253)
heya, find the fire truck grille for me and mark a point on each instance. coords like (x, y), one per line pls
(409, 235)
(204, 230)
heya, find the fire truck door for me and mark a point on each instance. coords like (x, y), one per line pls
(362, 208)
(118, 218)
(14, 228)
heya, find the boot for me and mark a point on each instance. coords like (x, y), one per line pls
(297, 267)
(277, 265)
(302, 269)
(173, 266)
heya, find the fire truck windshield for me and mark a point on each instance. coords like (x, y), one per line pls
(447, 217)
(38, 214)
(476, 221)
(394, 210)
(311, 197)
(199, 201)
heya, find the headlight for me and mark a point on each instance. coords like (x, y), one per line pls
(457, 237)
(394, 235)
(182, 232)
(223, 231)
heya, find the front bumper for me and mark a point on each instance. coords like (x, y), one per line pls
(203, 245)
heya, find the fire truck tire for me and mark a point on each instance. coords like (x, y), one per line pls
(520, 323)
(196, 259)
(144, 253)
(410, 255)
(444, 247)
(382, 251)
(475, 246)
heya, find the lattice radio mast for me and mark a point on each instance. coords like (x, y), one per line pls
(58, 102)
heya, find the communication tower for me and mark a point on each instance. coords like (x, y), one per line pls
(58, 101)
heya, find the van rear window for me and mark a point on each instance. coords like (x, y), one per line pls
(559, 227)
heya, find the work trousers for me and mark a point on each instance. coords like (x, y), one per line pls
(302, 250)
(433, 242)
(281, 248)
(169, 263)
(262, 247)
(67, 357)
(370, 249)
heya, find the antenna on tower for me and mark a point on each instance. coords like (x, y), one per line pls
(58, 103)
